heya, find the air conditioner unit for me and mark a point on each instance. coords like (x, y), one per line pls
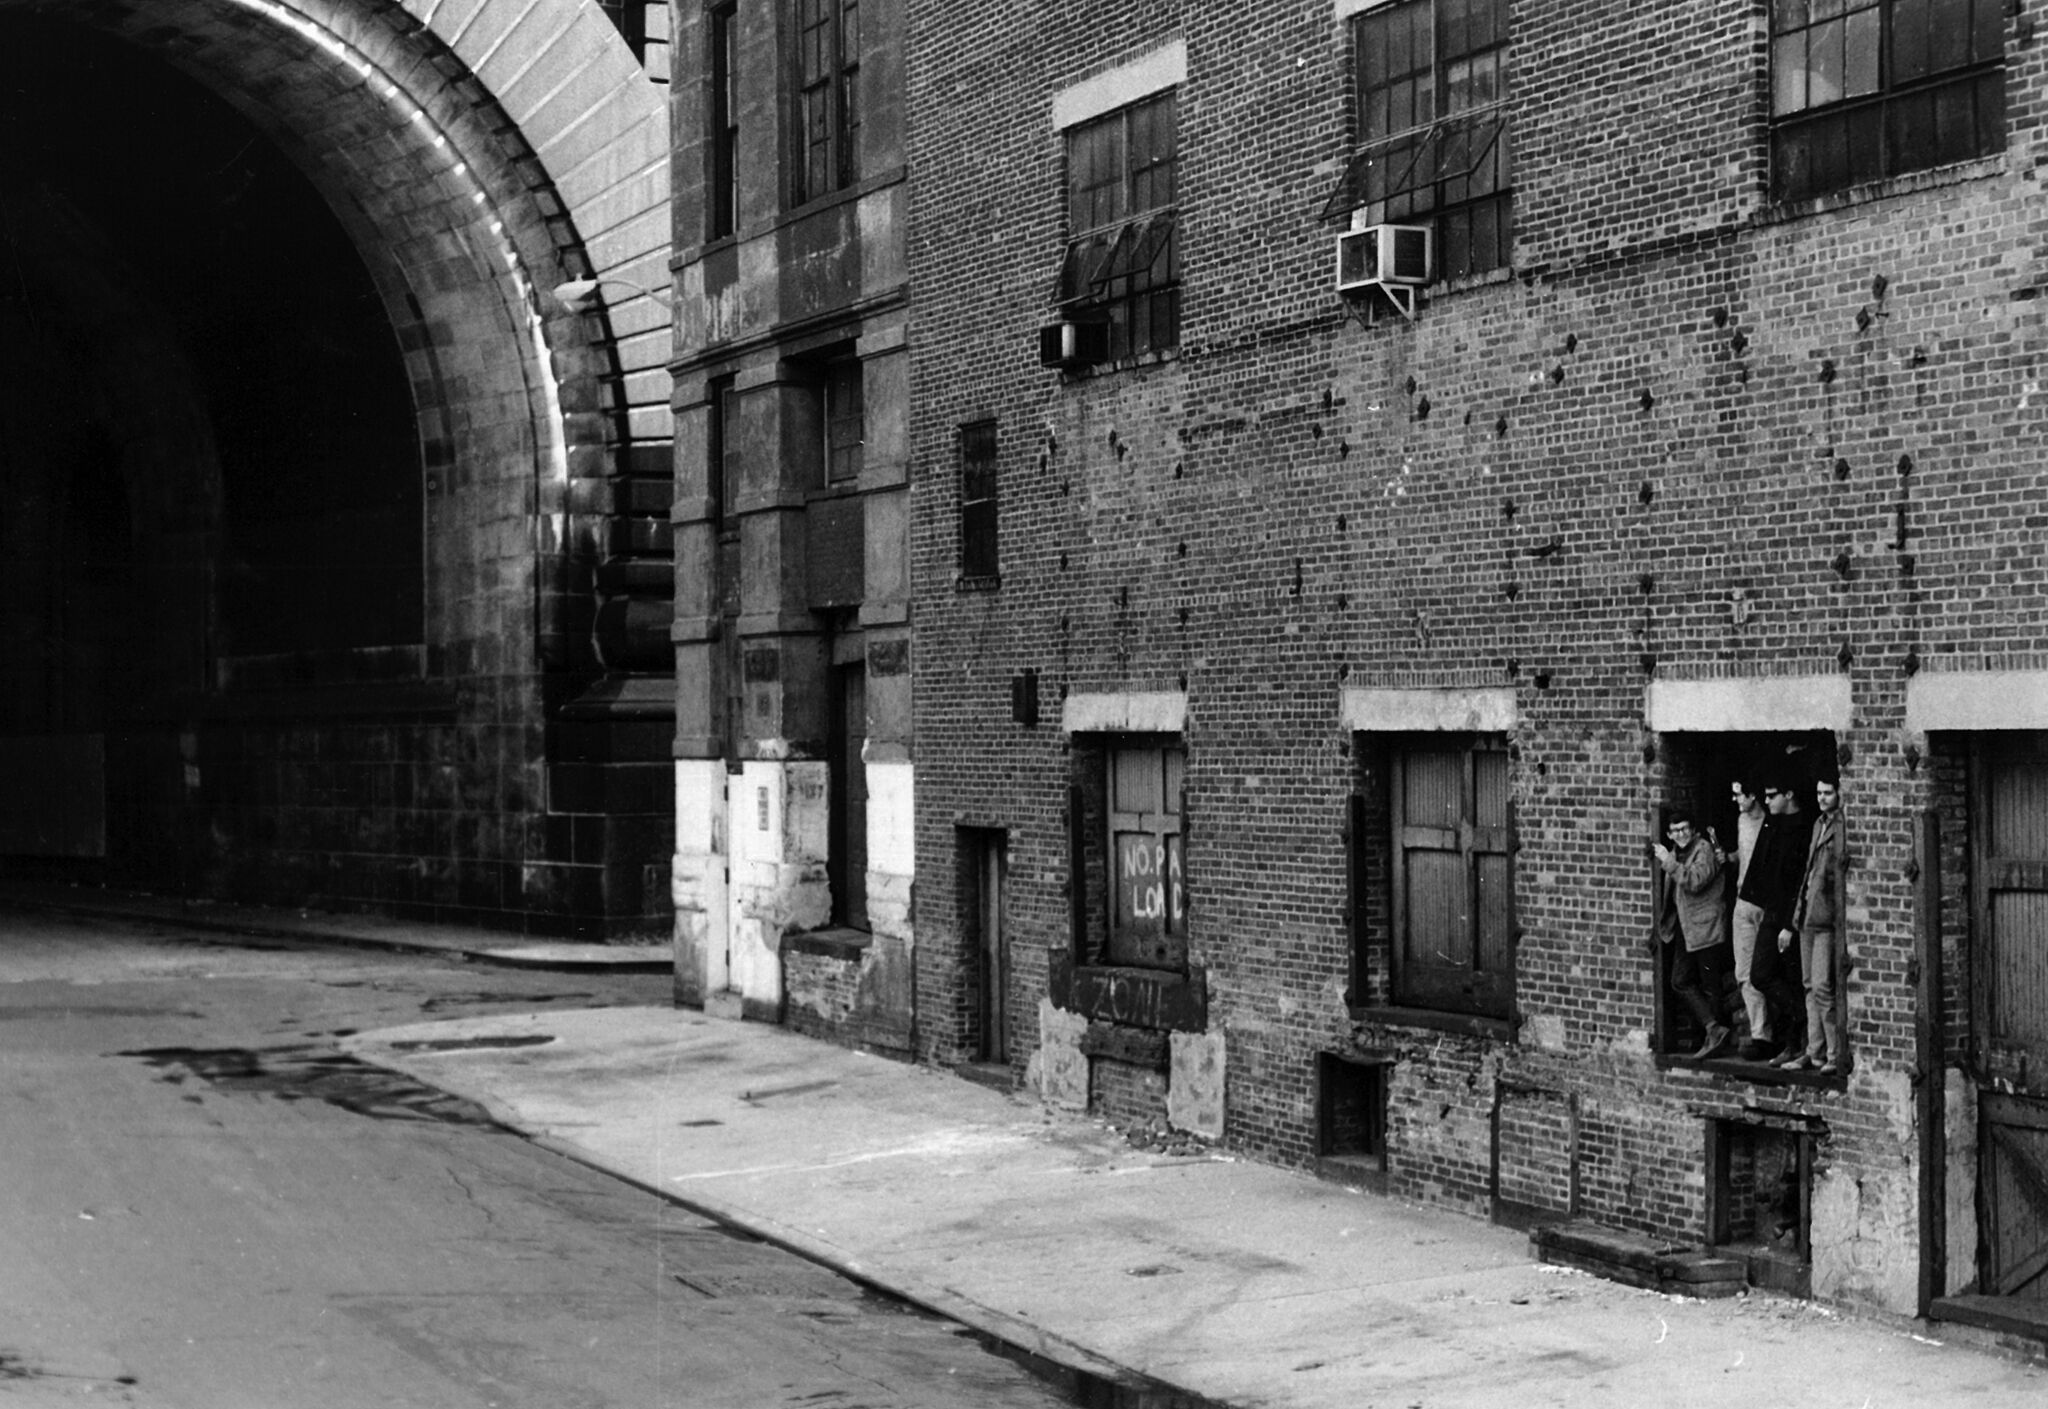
(1379, 256)
(1073, 342)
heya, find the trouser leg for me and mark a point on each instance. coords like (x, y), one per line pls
(1748, 922)
(1696, 985)
(1823, 1028)
(1776, 974)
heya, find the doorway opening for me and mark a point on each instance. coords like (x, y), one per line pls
(1699, 776)
(984, 859)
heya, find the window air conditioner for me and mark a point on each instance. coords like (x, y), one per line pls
(1377, 256)
(1073, 342)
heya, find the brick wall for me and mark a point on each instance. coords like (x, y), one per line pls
(1641, 457)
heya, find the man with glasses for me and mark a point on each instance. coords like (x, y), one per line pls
(1814, 922)
(1699, 968)
(1749, 918)
(1771, 884)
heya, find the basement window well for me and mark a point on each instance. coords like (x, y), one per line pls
(1760, 1196)
(1351, 1118)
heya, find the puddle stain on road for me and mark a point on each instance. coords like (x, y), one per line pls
(308, 1073)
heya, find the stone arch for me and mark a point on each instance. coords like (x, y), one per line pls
(478, 154)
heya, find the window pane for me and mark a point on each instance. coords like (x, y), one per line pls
(1955, 121)
(1824, 62)
(1911, 132)
(1788, 15)
(1453, 28)
(1948, 35)
(1826, 9)
(1454, 244)
(1864, 133)
(1989, 41)
(1991, 113)
(1788, 73)
(1400, 41)
(1860, 69)
(1369, 35)
(1909, 40)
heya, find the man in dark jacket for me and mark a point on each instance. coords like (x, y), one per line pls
(1815, 921)
(1772, 885)
(1700, 966)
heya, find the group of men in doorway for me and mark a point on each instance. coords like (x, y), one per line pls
(1766, 911)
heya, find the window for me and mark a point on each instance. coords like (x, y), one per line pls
(845, 420)
(1862, 90)
(723, 124)
(827, 97)
(1452, 882)
(1122, 262)
(1431, 122)
(1148, 903)
(978, 561)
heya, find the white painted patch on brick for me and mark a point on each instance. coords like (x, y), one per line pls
(1376, 709)
(1194, 1091)
(1748, 704)
(1135, 712)
(1977, 699)
(1161, 69)
(1546, 1030)
(1062, 1066)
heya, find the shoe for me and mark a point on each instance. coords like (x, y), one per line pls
(1753, 1050)
(1717, 1040)
(1802, 1062)
(1830, 1067)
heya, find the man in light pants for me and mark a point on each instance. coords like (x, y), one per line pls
(1749, 919)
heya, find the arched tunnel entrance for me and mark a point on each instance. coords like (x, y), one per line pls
(321, 523)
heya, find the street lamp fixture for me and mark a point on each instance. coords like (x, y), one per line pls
(580, 295)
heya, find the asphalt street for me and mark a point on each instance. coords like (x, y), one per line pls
(204, 1205)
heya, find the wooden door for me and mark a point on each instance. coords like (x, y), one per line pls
(1452, 890)
(2009, 869)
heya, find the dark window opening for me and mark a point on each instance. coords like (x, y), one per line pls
(846, 859)
(718, 476)
(1702, 772)
(978, 514)
(1863, 90)
(1760, 1199)
(845, 415)
(1122, 260)
(723, 124)
(828, 116)
(1435, 865)
(1430, 119)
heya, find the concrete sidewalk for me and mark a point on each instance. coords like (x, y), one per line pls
(1230, 1280)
